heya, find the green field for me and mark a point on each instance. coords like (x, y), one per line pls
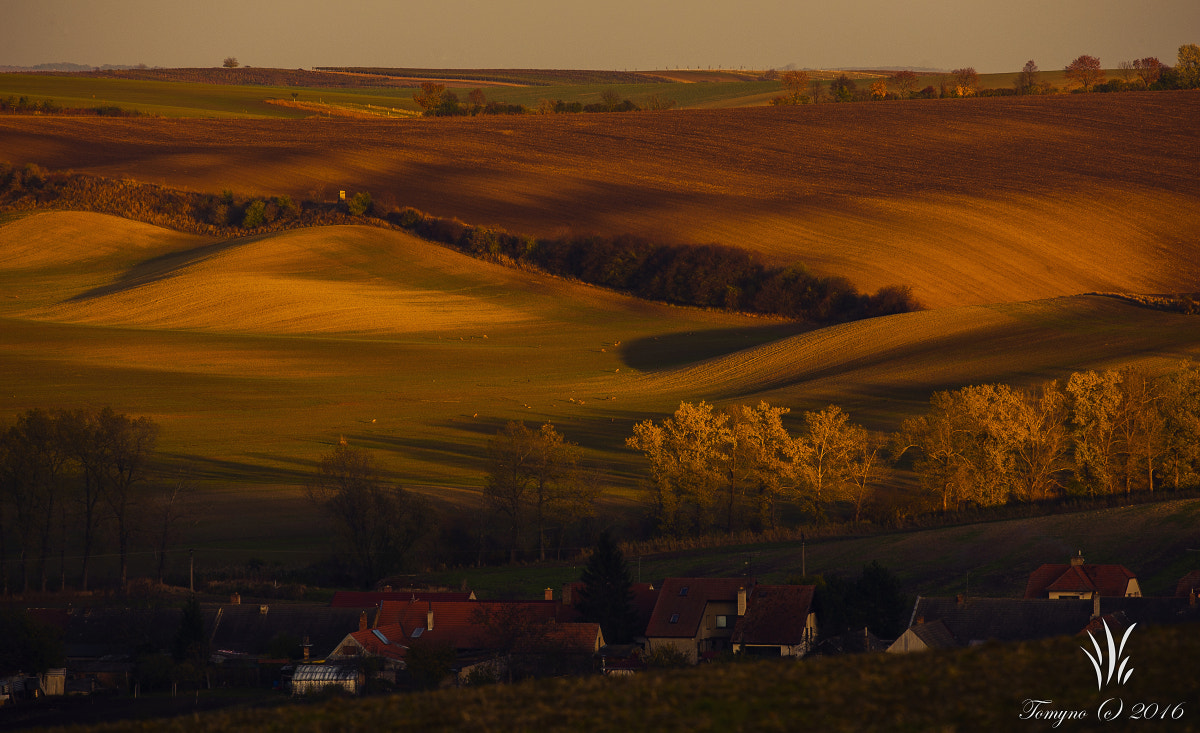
(256, 354)
(180, 99)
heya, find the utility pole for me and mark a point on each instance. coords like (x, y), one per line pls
(803, 557)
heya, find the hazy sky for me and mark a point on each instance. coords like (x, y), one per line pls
(992, 35)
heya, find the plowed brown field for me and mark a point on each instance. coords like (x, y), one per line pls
(969, 201)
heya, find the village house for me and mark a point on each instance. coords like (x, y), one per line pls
(778, 621)
(1079, 580)
(703, 617)
(496, 635)
(940, 623)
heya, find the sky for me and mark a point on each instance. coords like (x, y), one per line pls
(991, 36)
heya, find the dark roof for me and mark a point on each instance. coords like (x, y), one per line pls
(1108, 580)
(372, 599)
(688, 607)
(246, 629)
(1152, 611)
(1019, 619)
(1005, 619)
(935, 635)
(1116, 623)
(1187, 584)
(851, 642)
(101, 632)
(775, 615)
(645, 595)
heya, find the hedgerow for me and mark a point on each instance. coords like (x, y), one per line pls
(707, 276)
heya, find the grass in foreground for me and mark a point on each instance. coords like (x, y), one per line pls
(984, 688)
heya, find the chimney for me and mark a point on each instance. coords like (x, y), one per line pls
(235, 599)
(741, 602)
(429, 619)
(1077, 560)
(1095, 606)
(307, 646)
(566, 594)
(1192, 598)
(548, 594)
(362, 621)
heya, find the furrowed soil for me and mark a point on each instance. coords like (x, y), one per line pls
(969, 201)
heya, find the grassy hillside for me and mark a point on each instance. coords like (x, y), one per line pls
(978, 201)
(980, 689)
(256, 354)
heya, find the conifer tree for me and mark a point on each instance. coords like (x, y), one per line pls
(607, 595)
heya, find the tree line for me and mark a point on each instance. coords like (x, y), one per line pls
(1099, 433)
(70, 478)
(25, 105)
(707, 276)
(1084, 74)
(435, 100)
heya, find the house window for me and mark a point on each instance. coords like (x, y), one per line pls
(674, 618)
(722, 622)
(683, 591)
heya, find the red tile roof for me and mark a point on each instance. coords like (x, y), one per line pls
(1109, 580)
(688, 608)
(775, 615)
(578, 638)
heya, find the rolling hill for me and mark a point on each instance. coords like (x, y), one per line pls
(383, 337)
(969, 201)
(255, 354)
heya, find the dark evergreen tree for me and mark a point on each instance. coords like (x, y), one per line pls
(607, 595)
(191, 643)
(26, 644)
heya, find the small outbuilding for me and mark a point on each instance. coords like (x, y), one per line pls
(310, 678)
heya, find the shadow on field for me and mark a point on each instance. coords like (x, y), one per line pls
(204, 468)
(162, 267)
(676, 349)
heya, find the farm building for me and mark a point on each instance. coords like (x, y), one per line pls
(309, 678)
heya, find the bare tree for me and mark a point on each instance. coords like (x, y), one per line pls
(172, 508)
(1027, 79)
(1096, 412)
(377, 524)
(1148, 69)
(535, 472)
(430, 96)
(1085, 71)
(966, 81)
(124, 445)
(905, 81)
(1181, 410)
(688, 455)
(796, 83)
(823, 454)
